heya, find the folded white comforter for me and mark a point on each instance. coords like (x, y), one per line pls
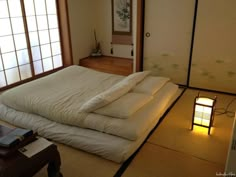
(60, 96)
(72, 95)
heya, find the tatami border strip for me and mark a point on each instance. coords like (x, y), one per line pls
(125, 165)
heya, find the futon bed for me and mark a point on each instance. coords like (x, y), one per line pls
(105, 114)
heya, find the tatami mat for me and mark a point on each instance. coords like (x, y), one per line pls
(174, 132)
(76, 163)
(156, 161)
(173, 150)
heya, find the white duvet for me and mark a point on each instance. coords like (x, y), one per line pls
(105, 145)
(59, 96)
(74, 95)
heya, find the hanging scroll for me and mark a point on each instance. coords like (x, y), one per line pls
(122, 22)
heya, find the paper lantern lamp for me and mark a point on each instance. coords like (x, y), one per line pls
(203, 112)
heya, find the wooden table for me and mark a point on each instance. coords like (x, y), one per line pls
(18, 165)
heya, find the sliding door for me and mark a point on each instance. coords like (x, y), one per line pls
(29, 39)
(167, 40)
(214, 53)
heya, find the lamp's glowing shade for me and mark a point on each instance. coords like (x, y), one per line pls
(205, 101)
(203, 112)
(202, 115)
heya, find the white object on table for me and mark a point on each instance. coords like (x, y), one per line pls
(35, 147)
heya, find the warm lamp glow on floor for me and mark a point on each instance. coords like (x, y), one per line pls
(200, 130)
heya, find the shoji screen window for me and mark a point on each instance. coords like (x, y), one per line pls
(29, 39)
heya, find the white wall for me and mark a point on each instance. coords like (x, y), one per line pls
(81, 19)
(87, 15)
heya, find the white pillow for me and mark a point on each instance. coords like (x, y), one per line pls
(150, 85)
(125, 106)
(113, 93)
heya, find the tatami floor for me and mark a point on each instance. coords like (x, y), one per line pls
(171, 151)
(175, 151)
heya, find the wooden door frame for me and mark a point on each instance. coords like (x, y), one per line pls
(139, 35)
(65, 35)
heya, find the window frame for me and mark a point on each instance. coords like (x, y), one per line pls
(65, 43)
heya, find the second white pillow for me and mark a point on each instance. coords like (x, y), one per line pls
(150, 85)
(125, 106)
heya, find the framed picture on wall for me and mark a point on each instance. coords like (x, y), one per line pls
(121, 17)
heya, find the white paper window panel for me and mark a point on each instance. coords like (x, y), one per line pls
(1, 65)
(52, 21)
(44, 37)
(57, 61)
(46, 51)
(25, 72)
(23, 57)
(40, 4)
(29, 7)
(47, 64)
(5, 27)
(51, 6)
(42, 22)
(2, 79)
(15, 47)
(56, 48)
(7, 44)
(3, 9)
(20, 41)
(15, 8)
(54, 35)
(38, 68)
(31, 23)
(12, 75)
(36, 53)
(34, 40)
(17, 25)
(9, 60)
